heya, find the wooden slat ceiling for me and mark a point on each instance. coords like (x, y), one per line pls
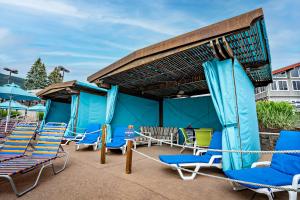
(164, 69)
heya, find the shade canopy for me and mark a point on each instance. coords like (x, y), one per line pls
(15, 92)
(13, 105)
(175, 66)
(62, 92)
(37, 108)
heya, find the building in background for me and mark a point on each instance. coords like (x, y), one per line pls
(285, 86)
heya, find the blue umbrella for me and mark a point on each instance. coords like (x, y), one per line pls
(13, 105)
(37, 108)
(14, 92)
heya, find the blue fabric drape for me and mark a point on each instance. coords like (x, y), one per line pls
(47, 108)
(74, 106)
(91, 110)
(110, 109)
(220, 76)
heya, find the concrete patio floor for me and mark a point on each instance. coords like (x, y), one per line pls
(86, 178)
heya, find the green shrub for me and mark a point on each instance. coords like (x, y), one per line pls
(13, 113)
(40, 115)
(276, 115)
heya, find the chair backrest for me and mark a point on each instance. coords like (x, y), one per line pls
(185, 135)
(215, 143)
(49, 141)
(92, 128)
(119, 132)
(203, 136)
(287, 163)
(18, 141)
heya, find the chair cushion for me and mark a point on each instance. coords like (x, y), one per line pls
(287, 163)
(119, 132)
(116, 143)
(92, 128)
(181, 159)
(89, 138)
(262, 175)
(215, 143)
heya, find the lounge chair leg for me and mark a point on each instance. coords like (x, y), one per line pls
(191, 177)
(270, 196)
(18, 194)
(292, 195)
(64, 166)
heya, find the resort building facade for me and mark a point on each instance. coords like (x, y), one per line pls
(285, 86)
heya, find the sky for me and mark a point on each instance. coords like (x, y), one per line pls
(87, 35)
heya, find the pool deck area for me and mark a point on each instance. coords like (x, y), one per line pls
(86, 178)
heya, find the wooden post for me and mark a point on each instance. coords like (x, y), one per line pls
(129, 157)
(103, 147)
(129, 153)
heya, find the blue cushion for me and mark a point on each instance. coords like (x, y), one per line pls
(119, 132)
(89, 138)
(287, 163)
(181, 159)
(93, 127)
(116, 144)
(215, 143)
(262, 175)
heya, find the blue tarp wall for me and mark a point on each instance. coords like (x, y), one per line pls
(136, 111)
(91, 109)
(59, 112)
(198, 112)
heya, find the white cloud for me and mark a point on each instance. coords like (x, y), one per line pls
(74, 54)
(42, 6)
(102, 14)
(3, 33)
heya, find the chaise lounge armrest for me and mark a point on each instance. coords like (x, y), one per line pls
(296, 180)
(200, 152)
(212, 159)
(262, 163)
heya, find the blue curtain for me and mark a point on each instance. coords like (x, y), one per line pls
(74, 106)
(91, 110)
(110, 109)
(230, 104)
(48, 104)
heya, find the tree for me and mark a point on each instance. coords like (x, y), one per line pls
(36, 77)
(55, 76)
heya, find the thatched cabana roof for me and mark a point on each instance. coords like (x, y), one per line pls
(163, 69)
(62, 91)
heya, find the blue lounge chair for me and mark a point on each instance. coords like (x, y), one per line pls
(118, 140)
(206, 159)
(91, 137)
(47, 149)
(283, 170)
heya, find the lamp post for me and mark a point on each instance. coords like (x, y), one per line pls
(63, 70)
(11, 71)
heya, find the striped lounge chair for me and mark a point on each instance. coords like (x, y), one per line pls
(47, 149)
(19, 140)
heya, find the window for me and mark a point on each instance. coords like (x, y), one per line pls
(296, 85)
(279, 86)
(280, 75)
(260, 90)
(274, 86)
(295, 73)
(282, 85)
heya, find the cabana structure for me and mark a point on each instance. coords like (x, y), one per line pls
(76, 103)
(223, 62)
